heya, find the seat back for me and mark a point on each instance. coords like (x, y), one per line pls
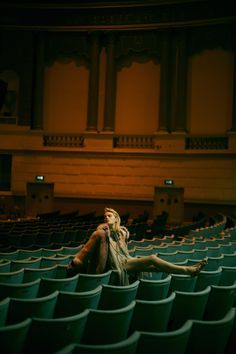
(12, 277)
(50, 252)
(9, 255)
(49, 335)
(117, 296)
(71, 303)
(165, 342)
(42, 307)
(220, 301)
(153, 289)
(31, 274)
(52, 261)
(25, 263)
(207, 277)
(152, 316)
(210, 336)
(49, 285)
(231, 345)
(228, 260)
(88, 282)
(126, 346)
(43, 238)
(5, 265)
(4, 306)
(182, 282)
(228, 275)
(188, 305)
(108, 326)
(13, 337)
(22, 291)
(25, 253)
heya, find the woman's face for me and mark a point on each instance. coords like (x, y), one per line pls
(109, 218)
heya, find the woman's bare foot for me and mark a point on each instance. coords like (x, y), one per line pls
(196, 268)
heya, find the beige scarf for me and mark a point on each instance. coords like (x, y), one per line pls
(118, 253)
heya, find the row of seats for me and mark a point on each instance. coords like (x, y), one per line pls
(100, 329)
(162, 308)
(38, 262)
(20, 253)
(115, 296)
(194, 337)
(209, 231)
(43, 238)
(18, 271)
(186, 243)
(180, 254)
(8, 265)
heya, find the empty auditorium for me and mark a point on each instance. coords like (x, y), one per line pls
(117, 177)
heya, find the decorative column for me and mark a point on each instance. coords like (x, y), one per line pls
(38, 83)
(179, 84)
(165, 83)
(233, 125)
(92, 116)
(110, 89)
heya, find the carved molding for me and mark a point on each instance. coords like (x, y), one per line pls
(65, 47)
(200, 39)
(137, 46)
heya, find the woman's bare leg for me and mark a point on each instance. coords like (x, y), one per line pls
(154, 263)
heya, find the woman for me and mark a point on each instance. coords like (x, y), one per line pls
(107, 249)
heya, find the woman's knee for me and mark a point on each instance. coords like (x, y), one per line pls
(99, 235)
(152, 259)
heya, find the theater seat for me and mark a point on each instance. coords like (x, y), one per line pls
(71, 303)
(4, 305)
(170, 342)
(12, 277)
(13, 337)
(210, 337)
(91, 281)
(108, 326)
(182, 282)
(117, 296)
(188, 305)
(42, 307)
(208, 277)
(49, 285)
(220, 301)
(153, 289)
(126, 346)
(22, 291)
(152, 316)
(48, 335)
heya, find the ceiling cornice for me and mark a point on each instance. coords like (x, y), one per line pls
(114, 15)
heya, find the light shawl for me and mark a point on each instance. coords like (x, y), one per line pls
(118, 253)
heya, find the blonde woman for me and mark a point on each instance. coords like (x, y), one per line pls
(107, 249)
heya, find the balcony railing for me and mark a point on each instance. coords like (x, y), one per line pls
(206, 143)
(134, 141)
(63, 140)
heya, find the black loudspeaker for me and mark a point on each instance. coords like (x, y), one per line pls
(3, 91)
